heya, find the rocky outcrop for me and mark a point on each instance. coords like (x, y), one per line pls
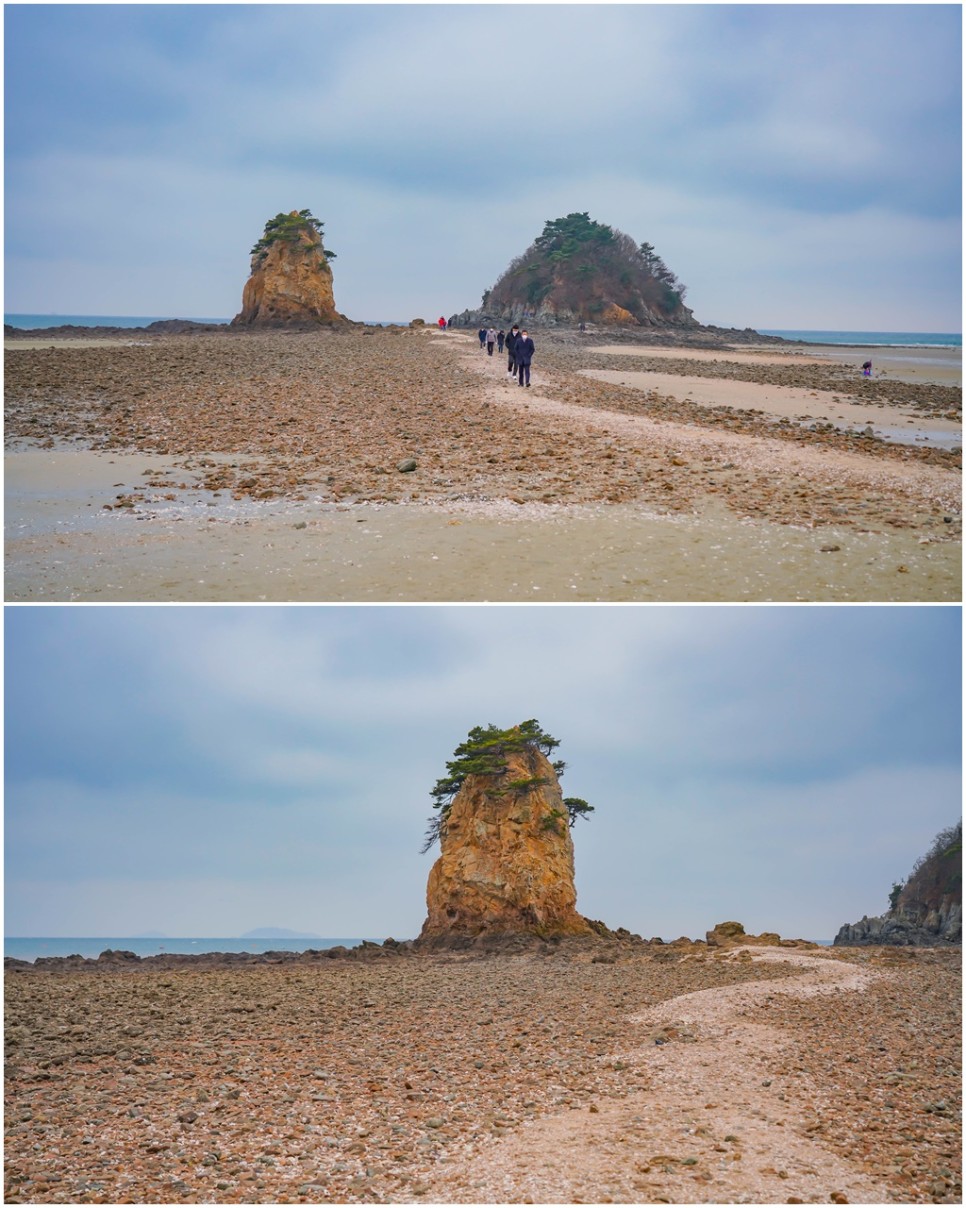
(112, 959)
(506, 867)
(579, 271)
(927, 911)
(291, 282)
(732, 935)
(906, 927)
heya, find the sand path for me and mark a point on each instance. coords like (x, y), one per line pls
(714, 1125)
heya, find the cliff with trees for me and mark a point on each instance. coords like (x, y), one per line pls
(926, 910)
(581, 271)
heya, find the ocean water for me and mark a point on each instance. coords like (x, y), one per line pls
(28, 948)
(898, 339)
(34, 321)
(28, 321)
(894, 339)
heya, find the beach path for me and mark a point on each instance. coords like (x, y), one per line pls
(713, 1126)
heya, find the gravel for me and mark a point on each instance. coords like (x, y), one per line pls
(419, 1078)
(334, 415)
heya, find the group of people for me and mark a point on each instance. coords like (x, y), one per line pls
(519, 347)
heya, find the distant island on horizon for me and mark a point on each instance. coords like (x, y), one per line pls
(279, 933)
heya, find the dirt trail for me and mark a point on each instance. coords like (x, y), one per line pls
(713, 1126)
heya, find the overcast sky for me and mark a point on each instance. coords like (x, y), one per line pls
(206, 771)
(797, 166)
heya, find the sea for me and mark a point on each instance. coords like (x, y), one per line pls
(29, 321)
(34, 321)
(888, 339)
(29, 948)
(895, 339)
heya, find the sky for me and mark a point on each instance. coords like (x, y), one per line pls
(205, 771)
(796, 166)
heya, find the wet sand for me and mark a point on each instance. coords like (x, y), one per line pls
(899, 423)
(66, 543)
(250, 468)
(939, 366)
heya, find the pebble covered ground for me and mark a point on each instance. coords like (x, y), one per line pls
(334, 415)
(321, 1080)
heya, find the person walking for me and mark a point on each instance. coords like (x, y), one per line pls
(511, 348)
(490, 341)
(524, 355)
(500, 339)
(482, 334)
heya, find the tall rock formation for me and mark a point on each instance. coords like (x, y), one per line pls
(291, 281)
(507, 861)
(925, 912)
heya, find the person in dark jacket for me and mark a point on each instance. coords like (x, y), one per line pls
(482, 334)
(500, 339)
(524, 355)
(511, 348)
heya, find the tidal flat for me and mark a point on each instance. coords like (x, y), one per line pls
(233, 466)
(642, 1073)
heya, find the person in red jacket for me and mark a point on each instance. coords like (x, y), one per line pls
(442, 323)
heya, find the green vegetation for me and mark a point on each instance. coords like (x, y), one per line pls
(937, 874)
(290, 228)
(562, 238)
(584, 266)
(485, 753)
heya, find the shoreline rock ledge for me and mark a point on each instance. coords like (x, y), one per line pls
(505, 874)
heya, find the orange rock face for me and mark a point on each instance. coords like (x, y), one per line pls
(507, 861)
(290, 286)
(612, 313)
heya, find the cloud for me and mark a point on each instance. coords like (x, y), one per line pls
(697, 128)
(748, 761)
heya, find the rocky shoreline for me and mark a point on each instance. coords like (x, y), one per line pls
(339, 411)
(417, 1079)
(346, 419)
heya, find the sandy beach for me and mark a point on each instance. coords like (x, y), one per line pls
(240, 467)
(649, 1074)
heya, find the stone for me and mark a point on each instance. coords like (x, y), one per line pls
(290, 284)
(407, 465)
(725, 935)
(506, 867)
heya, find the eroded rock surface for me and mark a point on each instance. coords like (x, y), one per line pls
(507, 862)
(290, 284)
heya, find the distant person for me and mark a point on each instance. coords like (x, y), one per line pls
(511, 348)
(867, 369)
(482, 334)
(524, 355)
(500, 339)
(442, 323)
(490, 341)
